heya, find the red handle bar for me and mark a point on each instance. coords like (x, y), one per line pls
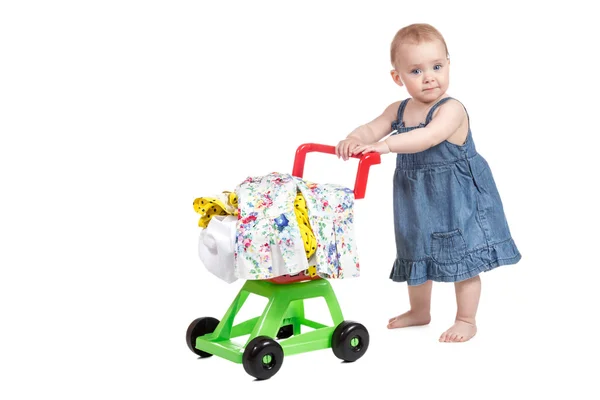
(365, 162)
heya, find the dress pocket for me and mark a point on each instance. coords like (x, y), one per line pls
(448, 247)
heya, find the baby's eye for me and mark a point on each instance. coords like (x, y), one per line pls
(437, 67)
(416, 71)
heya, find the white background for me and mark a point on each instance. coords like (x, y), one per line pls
(116, 115)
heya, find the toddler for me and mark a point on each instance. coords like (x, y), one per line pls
(449, 220)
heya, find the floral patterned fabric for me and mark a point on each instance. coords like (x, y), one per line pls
(269, 242)
(331, 215)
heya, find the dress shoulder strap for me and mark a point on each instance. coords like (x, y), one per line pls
(401, 108)
(435, 107)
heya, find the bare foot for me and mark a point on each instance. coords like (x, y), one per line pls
(409, 318)
(461, 331)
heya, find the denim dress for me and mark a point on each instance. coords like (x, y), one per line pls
(449, 220)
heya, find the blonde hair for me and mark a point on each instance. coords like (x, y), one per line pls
(415, 34)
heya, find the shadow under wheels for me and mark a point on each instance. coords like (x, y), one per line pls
(200, 327)
(350, 341)
(262, 357)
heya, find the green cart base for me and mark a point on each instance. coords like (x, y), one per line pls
(277, 332)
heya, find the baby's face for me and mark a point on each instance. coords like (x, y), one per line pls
(423, 68)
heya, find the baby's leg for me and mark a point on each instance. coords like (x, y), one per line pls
(420, 304)
(467, 300)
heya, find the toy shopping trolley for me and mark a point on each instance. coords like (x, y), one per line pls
(278, 332)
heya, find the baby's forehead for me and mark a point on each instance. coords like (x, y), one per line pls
(423, 51)
(421, 46)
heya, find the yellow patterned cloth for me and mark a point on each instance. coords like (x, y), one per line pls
(310, 241)
(222, 204)
(226, 204)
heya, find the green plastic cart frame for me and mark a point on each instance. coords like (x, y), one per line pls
(277, 332)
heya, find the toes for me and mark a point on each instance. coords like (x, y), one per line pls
(445, 337)
(457, 337)
(458, 333)
(449, 337)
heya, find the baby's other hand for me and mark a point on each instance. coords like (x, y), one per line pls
(379, 147)
(347, 147)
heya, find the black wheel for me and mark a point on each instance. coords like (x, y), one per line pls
(285, 332)
(262, 357)
(350, 341)
(200, 327)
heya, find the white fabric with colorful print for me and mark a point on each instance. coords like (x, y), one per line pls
(268, 241)
(331, 215)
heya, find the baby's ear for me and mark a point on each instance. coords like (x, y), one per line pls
(396, 77)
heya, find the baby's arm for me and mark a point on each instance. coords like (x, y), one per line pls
(443, 125)
(371, 132)
(379, 128)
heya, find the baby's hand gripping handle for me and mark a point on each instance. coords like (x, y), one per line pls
(364, 163)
